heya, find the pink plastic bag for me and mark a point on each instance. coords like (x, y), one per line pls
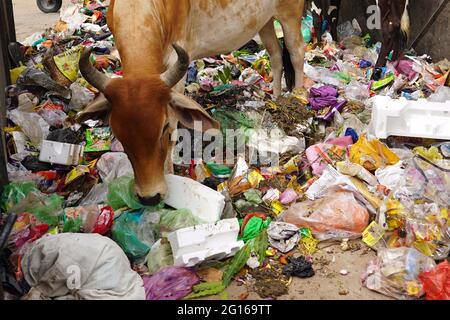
(171, 283)
(320, 155)
(336, 216)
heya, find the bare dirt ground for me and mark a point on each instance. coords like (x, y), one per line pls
(328, 284)
(29, 19)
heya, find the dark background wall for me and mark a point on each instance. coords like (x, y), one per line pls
(435, 43)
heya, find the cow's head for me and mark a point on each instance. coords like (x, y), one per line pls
(143, 112)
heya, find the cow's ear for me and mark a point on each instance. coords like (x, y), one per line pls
(99, 109)
(188, 112)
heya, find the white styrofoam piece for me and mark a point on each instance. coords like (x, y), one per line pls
(192, 246)
(61, 153)
(204, 202)
(417, 119)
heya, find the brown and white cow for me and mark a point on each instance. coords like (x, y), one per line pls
(147, 103)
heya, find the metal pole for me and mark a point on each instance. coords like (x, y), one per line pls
(7, 35)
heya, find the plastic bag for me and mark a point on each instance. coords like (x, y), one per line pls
(126, 233)
(32, 125)
(97, 195)
(336, 216)
(436, 283)
(283, 236)
(357, 91)
(252, 226)
(54, 118)
(121, 194)
(16, 192)
(171, 283)
(67, 62)
(395, 273)
(321, 155)
(81, 97)
(46, 209)
(98, 140)
(26, 229)
(172, 220)
(114, 165)
(88, 219)
(37, 78)
(372, 155)
(160, 256)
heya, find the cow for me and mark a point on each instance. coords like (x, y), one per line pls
(157, 40)
(395, 28)
(325, 10)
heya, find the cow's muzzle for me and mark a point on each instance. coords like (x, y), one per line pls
(150, 201)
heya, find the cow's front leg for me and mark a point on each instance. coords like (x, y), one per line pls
(295, 44)
(270, 41)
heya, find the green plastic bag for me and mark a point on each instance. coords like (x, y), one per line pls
(179, 219)
(219, 171)
(121, 194)
(125, 234)
(47, 209)
(254, 227)
(15, 193)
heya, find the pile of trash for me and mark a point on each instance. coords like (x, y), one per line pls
(338, 176)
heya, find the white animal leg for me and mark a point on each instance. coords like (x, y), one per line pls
(296, 45)
(270, 41)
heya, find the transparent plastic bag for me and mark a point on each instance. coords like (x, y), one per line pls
(336, 216)
(395, 273)
(14, 193)
(32, 125)
(97, 195)
(46, 209)
(126, 233)
(178, 219)
(160, 256)
(114, 165)
(81, 97)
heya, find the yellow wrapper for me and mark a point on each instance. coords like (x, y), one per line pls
(67, 62)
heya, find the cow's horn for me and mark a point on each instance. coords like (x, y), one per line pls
(96, 78)
(176, 72)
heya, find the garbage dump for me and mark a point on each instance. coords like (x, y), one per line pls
(360, 162)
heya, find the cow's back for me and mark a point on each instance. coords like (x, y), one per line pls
(145, 29)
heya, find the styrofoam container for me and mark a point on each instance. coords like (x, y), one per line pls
(417, 119)
(204, 202)
(192, 246)
(61, 153)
